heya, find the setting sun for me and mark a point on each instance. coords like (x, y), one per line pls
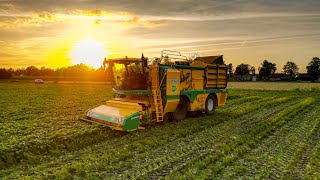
(89, 52)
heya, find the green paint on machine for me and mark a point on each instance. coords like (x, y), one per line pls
(174, 87)
(192, 94)
(173, 97)
(131, 122)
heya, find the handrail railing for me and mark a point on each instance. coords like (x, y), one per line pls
(172, 55)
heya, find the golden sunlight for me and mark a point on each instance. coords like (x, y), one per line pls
(89, 52)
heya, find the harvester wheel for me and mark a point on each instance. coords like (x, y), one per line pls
(181, 111)
(210, 105)
(168, 117)
(194, 113)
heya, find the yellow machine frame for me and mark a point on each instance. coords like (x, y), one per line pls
(171, 88)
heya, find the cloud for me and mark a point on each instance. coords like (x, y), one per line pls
(4, 7)
(171, 7)
(38, 19)
(13, 20)
(37, 13)
(114, 16)
(209, 45)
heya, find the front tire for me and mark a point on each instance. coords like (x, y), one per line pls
(168, 117)
(210, 105)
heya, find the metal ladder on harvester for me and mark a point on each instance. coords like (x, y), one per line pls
(158, 105)
(157, 95)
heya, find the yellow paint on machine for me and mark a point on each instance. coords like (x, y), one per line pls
(197, 79)
(173, 90)
(222, 98)
(154, 73)
(125, 105)
(198, 103)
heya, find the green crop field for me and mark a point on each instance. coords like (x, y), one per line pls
(259, 134)
(274, 85)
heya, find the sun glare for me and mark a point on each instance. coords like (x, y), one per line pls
(89, 52)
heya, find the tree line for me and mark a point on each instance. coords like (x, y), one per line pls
(82, 71)
(79, 72)
(267, 69)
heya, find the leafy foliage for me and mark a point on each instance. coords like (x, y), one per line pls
(314, 68)
(267, 69)
(230, 71)
(5, 74)
(79, 72)
(291, 70)
(242, 69)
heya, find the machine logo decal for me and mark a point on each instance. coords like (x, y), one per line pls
(174, 80)
(174, 87)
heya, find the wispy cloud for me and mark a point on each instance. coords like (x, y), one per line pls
(207, 46)
(21, 19)
(235, 16)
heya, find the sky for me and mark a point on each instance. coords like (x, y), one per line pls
(57, 33)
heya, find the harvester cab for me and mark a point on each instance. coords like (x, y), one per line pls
(128, 73)
(168, 88)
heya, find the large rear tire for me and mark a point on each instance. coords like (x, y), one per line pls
(194, 114)
(210, 105)
(181, 111)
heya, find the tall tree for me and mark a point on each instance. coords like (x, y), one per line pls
(32, 71)
(230, 71)
(314, 68)
(267, 69)
(242, 70)
(291, 70)
(20, 72)
(11, 71)
(5, 74)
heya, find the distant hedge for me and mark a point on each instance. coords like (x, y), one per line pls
(4, 74)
